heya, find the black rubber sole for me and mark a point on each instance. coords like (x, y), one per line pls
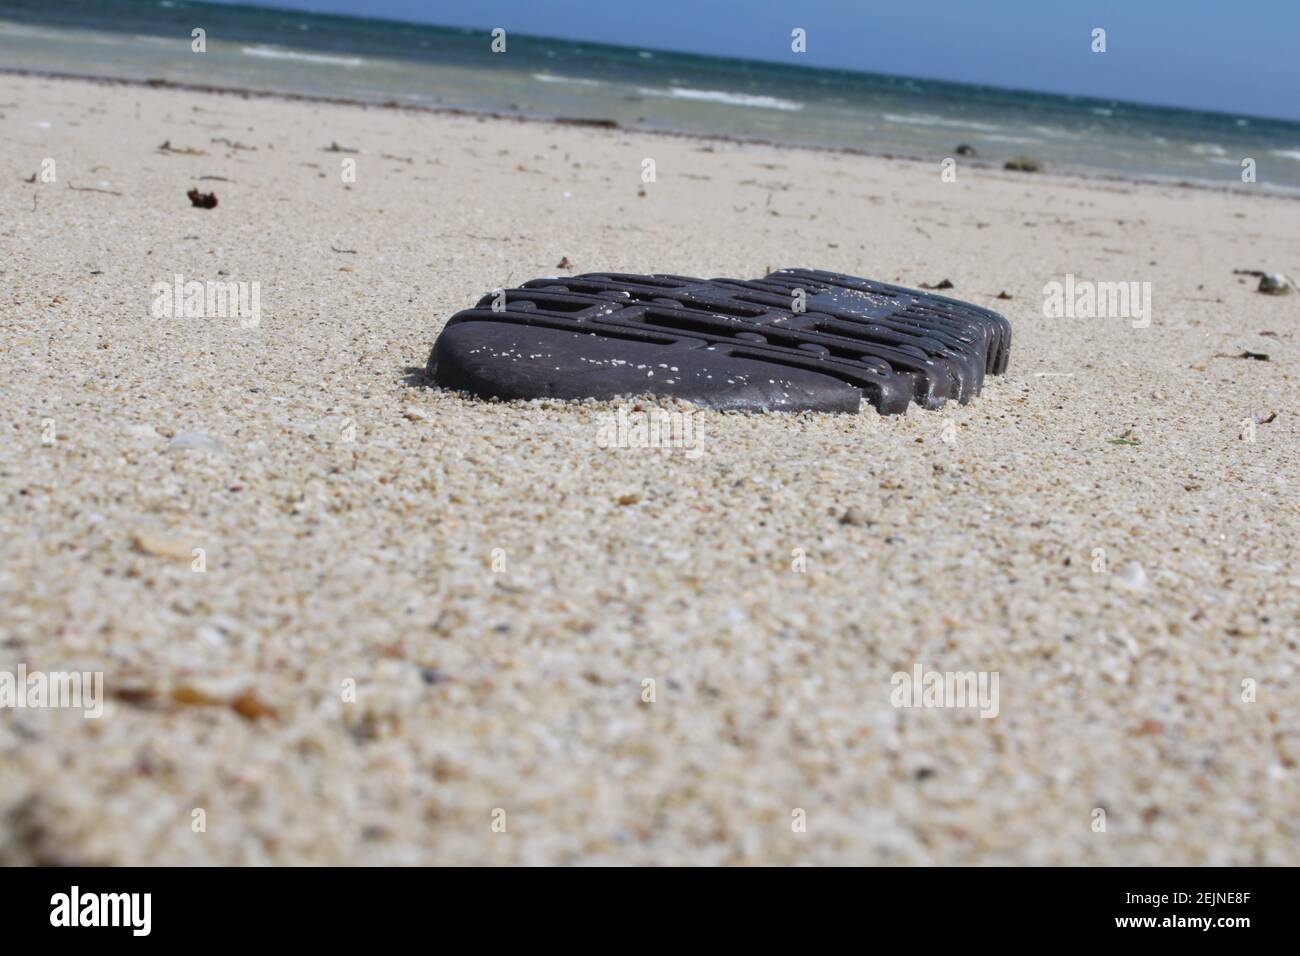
(796, 340)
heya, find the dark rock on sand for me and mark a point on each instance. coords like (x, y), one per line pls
(1024, 164)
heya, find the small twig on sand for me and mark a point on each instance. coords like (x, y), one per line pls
(471, 235)
(351, 252)
(92, 189)
(167, 147)
(1254, 356)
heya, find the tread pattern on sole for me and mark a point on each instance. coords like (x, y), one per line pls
(795, 340)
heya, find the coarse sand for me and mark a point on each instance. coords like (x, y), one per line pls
(356, 620)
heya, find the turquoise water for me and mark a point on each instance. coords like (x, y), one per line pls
(382, 61)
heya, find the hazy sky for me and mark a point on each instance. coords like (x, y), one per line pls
(1229, 55)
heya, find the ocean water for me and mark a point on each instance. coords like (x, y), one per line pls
(382, 61)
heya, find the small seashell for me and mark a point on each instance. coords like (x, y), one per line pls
(1274, 283)
(1132, 576)
(161, 547)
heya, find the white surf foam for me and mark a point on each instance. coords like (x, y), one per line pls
(722, 96)
(570, 80)
(928, 119)
(999, 138)
(1055, 132)
(271, 53)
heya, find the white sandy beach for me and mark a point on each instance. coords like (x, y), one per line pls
(347, 515)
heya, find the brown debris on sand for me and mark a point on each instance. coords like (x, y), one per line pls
(246, 703)
(167, 147)
(202, 200)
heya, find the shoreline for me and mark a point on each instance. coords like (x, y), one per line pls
(1091, 177)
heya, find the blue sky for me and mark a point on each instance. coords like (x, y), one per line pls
(1229, 55)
